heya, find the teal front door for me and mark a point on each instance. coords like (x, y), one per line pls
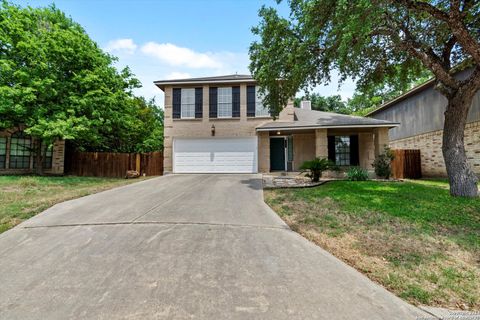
(277, 154)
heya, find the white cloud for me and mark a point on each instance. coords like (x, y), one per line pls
(121, 46)
(177, 75)
(179, 56)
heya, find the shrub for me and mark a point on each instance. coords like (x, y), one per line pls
(316, 166)
(357, 174)
(382, 164)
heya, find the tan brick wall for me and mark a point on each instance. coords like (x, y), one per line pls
(58, 158)
(303, 149)
(263, 152)
(380, 140)
(321, 143)
(366, 149)
(202, 128)
(430, 145)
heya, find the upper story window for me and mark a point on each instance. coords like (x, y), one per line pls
(3, 152)
(224, 104)
(20, 146)
(255, 107)
(187, 104)
(260, 109)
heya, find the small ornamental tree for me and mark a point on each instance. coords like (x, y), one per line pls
(388, 42)
(383, 164)
(316, 167)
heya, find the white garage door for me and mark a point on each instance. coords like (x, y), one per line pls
(215, 155)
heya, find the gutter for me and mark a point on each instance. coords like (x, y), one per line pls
(387, 125)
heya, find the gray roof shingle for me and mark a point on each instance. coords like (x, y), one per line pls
(217, 79)
(318, 119)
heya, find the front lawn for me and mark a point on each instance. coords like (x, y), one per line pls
(412, 237)
(22, 197)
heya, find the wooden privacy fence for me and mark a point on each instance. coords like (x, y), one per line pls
(110, 164)
(407, 164)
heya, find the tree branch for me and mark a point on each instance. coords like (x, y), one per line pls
(420, 6)
(447, 51)
(471, 85)
(466, 40)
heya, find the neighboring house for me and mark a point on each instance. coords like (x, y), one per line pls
(17, 156)
(219, 124)
(420, 113)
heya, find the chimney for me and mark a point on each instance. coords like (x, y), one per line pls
(306, 104)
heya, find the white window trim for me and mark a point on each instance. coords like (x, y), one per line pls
(258, 101)
(183, 95)
(231, 103)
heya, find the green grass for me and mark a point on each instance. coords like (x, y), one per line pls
(21, 197)
(412, 237)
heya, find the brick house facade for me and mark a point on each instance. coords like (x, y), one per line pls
(420, 113)
(17, 155)
(219, 125)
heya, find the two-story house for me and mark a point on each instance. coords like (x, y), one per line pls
(220, 125)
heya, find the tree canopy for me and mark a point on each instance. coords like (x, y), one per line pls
(58, 83)
(321, 103)
(377, 43)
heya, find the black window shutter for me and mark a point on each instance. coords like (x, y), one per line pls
(331, 148)
(213, 102)
(354, 157)
(198, 103)
(176, 103)
(235, 102)
(250, 101)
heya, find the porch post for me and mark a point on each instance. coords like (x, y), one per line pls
(263, 152)
(381, 140)
(321, 143)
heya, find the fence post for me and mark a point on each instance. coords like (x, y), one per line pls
(137, 162)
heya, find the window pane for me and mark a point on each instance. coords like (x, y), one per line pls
(224, 107)
(290, 148)
(47, 159)
(20, 145)
(260, 109)
(3, 151)
(188, 103)
(342, 150)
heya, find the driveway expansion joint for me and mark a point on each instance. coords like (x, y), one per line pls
(212, 224)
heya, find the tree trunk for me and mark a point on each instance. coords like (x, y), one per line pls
(39, 153)
(463, 181)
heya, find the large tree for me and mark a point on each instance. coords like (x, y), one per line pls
(59, 84)
(375, 41)
(321, 103)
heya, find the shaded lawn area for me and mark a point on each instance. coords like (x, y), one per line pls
(22, 197)
(412, 237)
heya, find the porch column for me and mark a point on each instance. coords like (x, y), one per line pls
(381, 140)
(263, 152)
(321, 143)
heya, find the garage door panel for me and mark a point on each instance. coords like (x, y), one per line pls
(221, 155)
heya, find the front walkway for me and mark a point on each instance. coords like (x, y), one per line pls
(179, 247)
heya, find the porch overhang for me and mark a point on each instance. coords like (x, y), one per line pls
(290, 127)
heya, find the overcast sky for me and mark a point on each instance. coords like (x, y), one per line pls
(169, 39)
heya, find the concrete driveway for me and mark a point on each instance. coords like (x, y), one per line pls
(178, 247)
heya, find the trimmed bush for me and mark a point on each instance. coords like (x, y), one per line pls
(357, 174)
